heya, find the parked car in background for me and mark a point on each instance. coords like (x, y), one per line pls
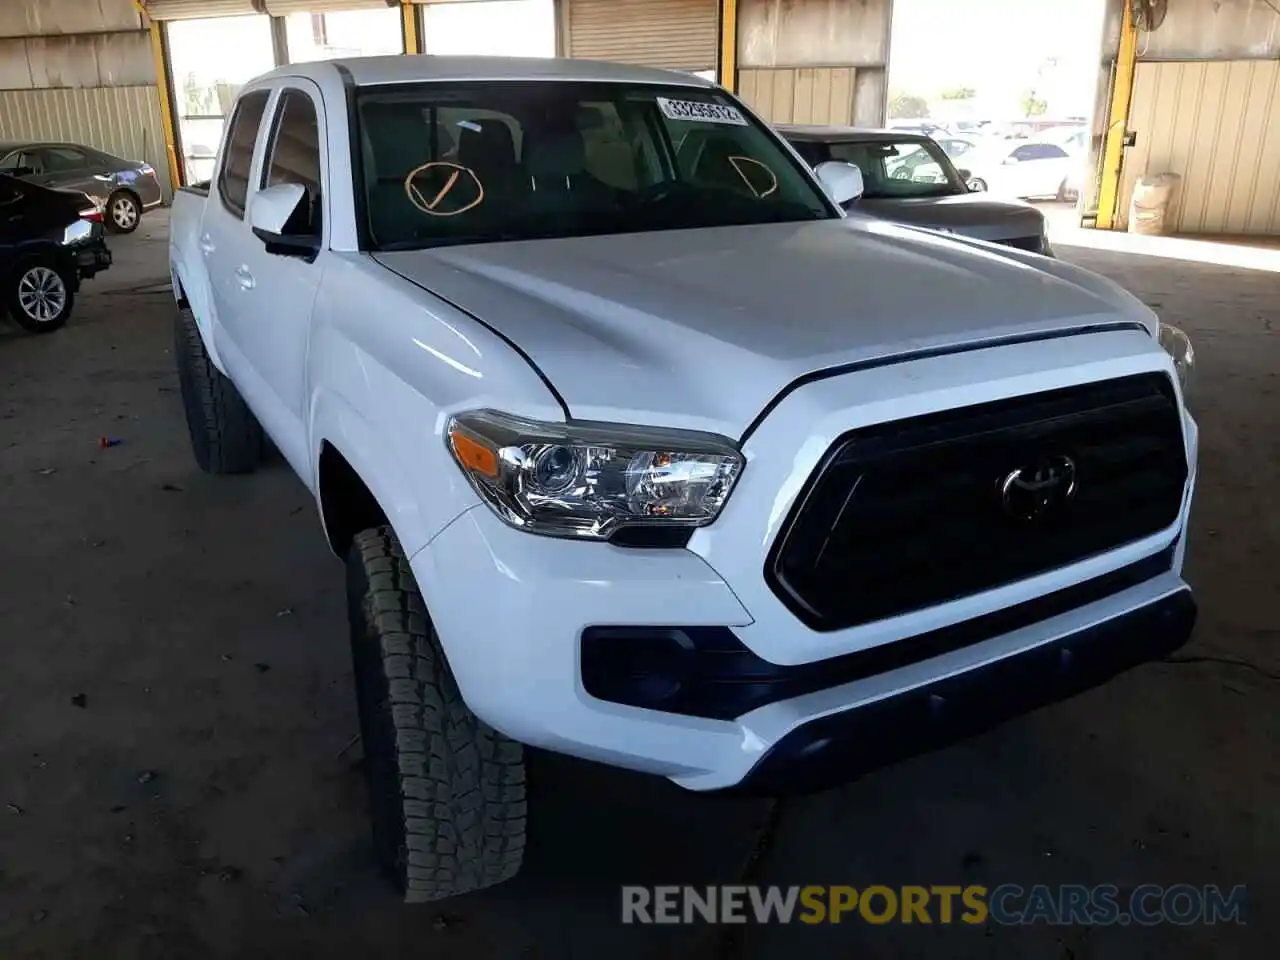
(910, 179)
(1021, 169)
(957, 147)
(122, 189)
(1073, 138)
(50, 240)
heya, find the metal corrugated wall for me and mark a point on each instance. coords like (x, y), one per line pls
(814, 61)
(824, 95)
(801, 95)
(676, 34)
(1217, 124)
(121, 120)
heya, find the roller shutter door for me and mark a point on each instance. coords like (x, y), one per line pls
(676, 34)
(197, 9)
(282, 8)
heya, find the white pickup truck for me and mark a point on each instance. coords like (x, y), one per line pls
(637, 448)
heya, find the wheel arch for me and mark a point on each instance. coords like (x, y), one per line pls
(347, 505)
(359, 482)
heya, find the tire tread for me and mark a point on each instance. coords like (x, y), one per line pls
(459, 809)
(225, 435)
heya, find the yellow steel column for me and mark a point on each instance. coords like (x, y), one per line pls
(163, 85)
(728, 66)
(1117, 120)
(409, 27)
(159, 56)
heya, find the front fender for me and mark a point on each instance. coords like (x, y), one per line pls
(376, 461)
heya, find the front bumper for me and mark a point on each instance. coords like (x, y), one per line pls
(840, 746)
(511, 610)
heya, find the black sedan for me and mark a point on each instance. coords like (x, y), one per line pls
(50, 240)
(909, 178)
(122, 189)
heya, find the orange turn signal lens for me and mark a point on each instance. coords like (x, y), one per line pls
(472, 455)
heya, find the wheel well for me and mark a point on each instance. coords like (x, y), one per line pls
(346, 504)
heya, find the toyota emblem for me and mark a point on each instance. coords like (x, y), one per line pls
(1039, 489)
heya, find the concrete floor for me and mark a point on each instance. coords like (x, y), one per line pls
(176, 726)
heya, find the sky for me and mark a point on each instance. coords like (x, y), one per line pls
(998, 47)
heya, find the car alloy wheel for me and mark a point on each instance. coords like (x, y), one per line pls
(42, 294)
(124, 212)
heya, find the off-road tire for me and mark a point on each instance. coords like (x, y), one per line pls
(446, 791)
(225, 435)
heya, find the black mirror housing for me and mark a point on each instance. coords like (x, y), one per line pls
(302, 246)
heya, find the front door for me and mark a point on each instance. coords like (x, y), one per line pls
(274, 293)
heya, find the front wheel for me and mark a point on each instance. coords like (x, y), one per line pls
(446, 791)
(40, 297)
(123, 212)
(977, 185)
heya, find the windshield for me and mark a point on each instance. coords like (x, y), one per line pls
(477, 162)
(903, 169)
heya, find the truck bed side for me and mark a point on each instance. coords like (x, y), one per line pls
(186, 262)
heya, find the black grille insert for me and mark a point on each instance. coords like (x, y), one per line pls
(909, 514)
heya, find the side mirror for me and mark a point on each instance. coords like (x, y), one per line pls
(269, 214)
(841, 180)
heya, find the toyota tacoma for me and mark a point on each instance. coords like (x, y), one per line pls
(637, 448)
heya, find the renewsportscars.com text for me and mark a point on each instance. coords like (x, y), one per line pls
(1007, 904)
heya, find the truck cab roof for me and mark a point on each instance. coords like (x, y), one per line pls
(380, 71)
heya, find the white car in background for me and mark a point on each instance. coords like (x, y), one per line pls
(1022, 170)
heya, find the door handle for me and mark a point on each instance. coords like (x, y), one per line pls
(206, 243)
(244, 277)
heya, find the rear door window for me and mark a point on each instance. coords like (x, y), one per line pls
(237, 155)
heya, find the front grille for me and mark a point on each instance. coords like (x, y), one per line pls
(906, 515)
(1034, 244)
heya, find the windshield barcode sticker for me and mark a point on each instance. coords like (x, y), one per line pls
(694, 110)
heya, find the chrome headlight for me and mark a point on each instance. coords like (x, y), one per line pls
(587, 480)
(1178, 345)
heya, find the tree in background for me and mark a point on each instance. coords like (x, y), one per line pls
(959, 93)
(908, 106)
(1033, 106)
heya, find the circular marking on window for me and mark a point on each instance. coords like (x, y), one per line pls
(737, 162)
(437, 205)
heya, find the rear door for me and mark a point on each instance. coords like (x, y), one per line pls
(224, 233)
(69, 168)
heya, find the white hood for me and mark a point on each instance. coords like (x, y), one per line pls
(702, 328)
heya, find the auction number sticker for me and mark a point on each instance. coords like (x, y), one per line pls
(694, 110)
